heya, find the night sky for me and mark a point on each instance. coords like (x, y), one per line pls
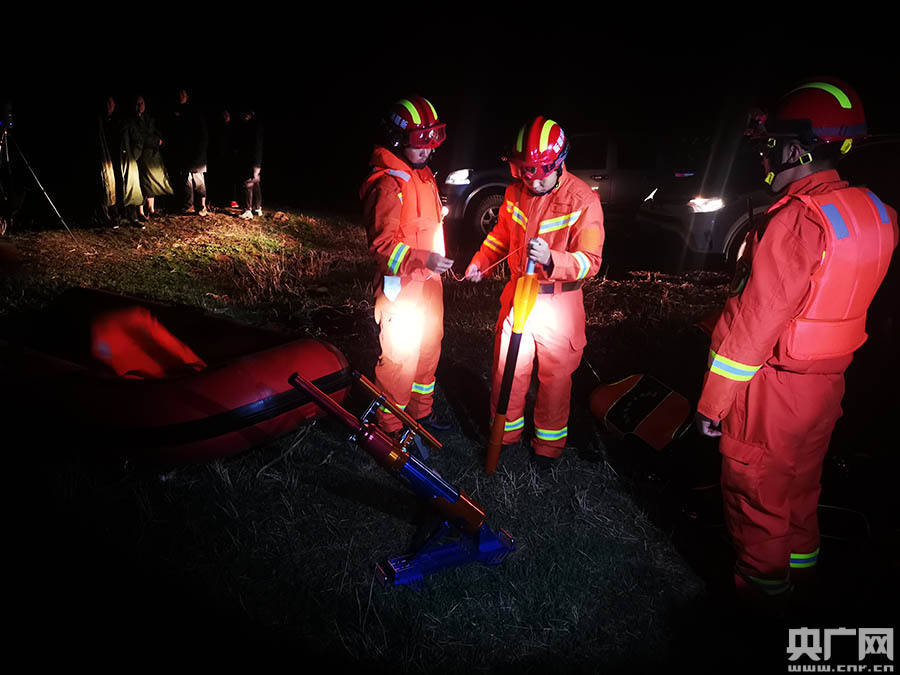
(319, 86)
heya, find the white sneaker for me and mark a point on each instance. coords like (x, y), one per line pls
(257, 212)
(246, 215)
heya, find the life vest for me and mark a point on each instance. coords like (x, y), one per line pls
(859, 241)
(421, 219)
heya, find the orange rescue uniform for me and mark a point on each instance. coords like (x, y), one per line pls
(402, 212)
(776, 367)
(570, 220)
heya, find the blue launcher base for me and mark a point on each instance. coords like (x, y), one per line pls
(442, 552)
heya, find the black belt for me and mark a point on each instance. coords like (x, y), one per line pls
(561, 288)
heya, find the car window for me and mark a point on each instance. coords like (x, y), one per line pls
(685, 152)
(637, 153)
(587, 152)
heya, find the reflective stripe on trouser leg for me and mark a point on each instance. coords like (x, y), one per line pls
(804, 560)
(401, 326)
(421, 397)
(770, 586)
(515, 411)
(773, 445)
(559, 323)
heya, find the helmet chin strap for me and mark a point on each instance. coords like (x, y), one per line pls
(805, 158)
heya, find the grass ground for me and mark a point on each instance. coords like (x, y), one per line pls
(621, 555)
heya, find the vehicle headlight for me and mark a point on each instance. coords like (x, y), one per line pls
(705, 205)
(460, 177)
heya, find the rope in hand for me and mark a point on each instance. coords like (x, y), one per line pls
(485, 271)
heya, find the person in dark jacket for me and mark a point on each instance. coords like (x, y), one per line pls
(145, 141)
(248, 162)
(108, 157)
(187, 146)
(221, 189)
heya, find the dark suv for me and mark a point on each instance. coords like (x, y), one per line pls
(710, 205)
(621, 167)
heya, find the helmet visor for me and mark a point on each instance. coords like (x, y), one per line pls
(528, 172)
(431, 137)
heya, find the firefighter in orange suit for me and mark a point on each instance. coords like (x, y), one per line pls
(403, 217)
(555, 219)
(788, 332)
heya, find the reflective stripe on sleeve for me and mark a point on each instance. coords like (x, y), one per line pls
(397, 256)
(584, 265)
(495, 244)
(733, 370)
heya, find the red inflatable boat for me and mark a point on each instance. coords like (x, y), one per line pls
(200, 387)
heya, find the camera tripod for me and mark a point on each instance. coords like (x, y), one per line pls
(6, 177)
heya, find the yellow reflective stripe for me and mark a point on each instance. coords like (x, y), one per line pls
(515, 424)
(509, 206)
(388, 412)
(519, 139)
(545, 135)
(493, 247)
(496, 241)
(554, 224)
(433, 111)
(400, 197)
(423, 388)
(519, 216)
(397, 256)
(804, 560)
(406, 103)
(551, 434)
(772, 586)
(733, 370)
(584, 264)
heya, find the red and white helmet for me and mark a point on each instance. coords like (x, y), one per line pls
(540, 149)
(413, 122)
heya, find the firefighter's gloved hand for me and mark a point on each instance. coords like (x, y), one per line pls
(438, 263)
(708, 427)
(473, 273)
(539, 251)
